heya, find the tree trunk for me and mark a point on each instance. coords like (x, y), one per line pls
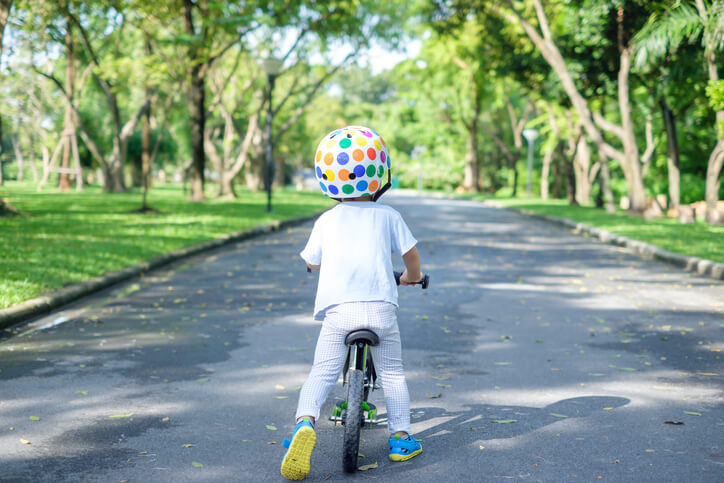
(197, 110)
(471, 180)
(64, 180)
(5, 6)
(558, 171)
(581, 166)
(570, 179)
(605, 179)
(146, 158)
(18, 157)
(714, 166)
(545, 173)
(255, 169)
(636, 190)
(672, 155)
(713, 171)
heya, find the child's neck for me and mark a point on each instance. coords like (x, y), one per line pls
(359, 198)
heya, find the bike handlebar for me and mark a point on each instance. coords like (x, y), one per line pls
(424, 282)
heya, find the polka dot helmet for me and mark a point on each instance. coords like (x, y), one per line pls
(352, 161)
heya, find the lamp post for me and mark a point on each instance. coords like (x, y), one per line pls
(272, 66)
(530, 135)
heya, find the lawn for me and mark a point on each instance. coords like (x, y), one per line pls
(699, 240)
(70, 237)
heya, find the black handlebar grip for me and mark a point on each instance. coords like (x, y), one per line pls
(424, 282)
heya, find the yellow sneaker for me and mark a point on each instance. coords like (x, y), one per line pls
(297, 460)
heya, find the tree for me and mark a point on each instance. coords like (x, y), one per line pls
(691, 20)
(630, 159)
(5, 6)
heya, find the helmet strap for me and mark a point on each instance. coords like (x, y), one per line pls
(384, 188)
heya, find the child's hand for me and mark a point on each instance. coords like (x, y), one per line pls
(406, 280)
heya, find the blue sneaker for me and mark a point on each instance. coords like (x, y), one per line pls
(297, 460)
(402, 449)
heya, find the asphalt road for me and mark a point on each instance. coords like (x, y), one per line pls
(535, 355)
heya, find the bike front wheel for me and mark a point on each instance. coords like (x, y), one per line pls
(353, 421)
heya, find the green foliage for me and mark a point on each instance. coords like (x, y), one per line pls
(65, 238)
(699, 240)
(715, 92)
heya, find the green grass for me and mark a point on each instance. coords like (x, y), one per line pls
(699, 240)
(71, 237)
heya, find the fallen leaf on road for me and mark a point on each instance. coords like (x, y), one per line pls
(120, 416)
(482, 447)
(25, 441)
(692, 413)
(34, 418)
(271, 427)
(443, 385)
(607, 409)
(281, 397)
(707, 374)
(557, 415)
(440, 378)
(196, 465)
(81, 393)
(165, 419)
(271, 442)
(505, 421)
(188, 445)
(674, 422)
(433, 396)
(651, 451)
(202, 380)
(368, 467)
(280, 387)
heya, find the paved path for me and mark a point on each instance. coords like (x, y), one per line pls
(535, 355)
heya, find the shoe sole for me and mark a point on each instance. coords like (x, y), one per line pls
(297, 462)
(405, 457)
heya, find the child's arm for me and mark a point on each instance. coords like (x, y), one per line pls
(412, 273)
(312, 267)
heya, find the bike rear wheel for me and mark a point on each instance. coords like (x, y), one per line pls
(353, 421)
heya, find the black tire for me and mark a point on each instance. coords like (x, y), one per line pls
(352, 421)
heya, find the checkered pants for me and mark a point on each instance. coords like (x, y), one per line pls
(329, 358)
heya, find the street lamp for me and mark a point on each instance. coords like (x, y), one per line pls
(272, 66)
(530, 135)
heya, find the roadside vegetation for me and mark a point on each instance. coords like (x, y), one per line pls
(70, 237)
(699, 240)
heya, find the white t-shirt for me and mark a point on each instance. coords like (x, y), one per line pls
(353, 243)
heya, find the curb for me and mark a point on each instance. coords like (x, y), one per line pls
(45, 303)
(700, 266)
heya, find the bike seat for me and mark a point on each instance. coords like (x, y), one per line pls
(364, 335)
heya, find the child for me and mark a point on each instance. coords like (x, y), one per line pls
(351, 245)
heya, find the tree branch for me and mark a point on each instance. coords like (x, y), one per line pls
(298, 112)
(499, 142)
(133, 122)
(92, 146)
(542, 20)
(606, 125)
(650, 145)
